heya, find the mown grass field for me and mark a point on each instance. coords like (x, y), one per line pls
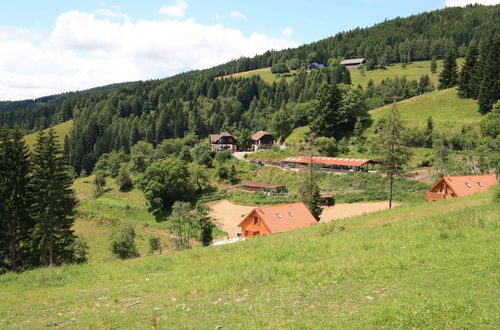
(264, 73)
(447, 109)
(430, 265)
(61, 131)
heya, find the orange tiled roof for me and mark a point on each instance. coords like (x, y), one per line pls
(304, 160)
(284, 217)
(468, 184)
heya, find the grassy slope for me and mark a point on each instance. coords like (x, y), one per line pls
(61, 130)
(413, 71)
(446, 108)
(425, 266)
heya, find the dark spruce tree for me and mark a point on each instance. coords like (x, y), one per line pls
(448, 76)
(489, 86)
(53, 204)
(469, 75)
(324, 117)
(15, 199)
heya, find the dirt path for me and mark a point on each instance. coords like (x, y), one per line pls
(229, 215)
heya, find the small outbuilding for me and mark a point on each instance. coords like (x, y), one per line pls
(315, 66)
(262, 140)
(271, 189)
(268, 220)
(353, 62)
(223, 141)
(458, 186)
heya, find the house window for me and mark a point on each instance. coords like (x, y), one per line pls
(291, 214)
(468, 185)
(255, 220)
(480, 184)
(279, 215)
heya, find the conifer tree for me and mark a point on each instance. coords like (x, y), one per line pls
(489, 87)
(433, 65)
(308, 188)
(15, 221)
(53, 202)
(448, 76)
(389, 144)
(325, 115)
(468, 78)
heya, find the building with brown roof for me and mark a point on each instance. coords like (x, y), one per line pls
(329, 164)
(458, 186)
(223, 141)
(268, 220)
(353, 62)
(262, 140)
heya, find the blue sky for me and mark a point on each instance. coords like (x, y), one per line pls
(53, 46)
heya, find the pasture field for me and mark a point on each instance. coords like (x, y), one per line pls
(61, 130)
(427, 265)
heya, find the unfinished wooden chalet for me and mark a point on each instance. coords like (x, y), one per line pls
(353, 62)
(223, 141)
(271, 189)
(268, 220)
(330, 164)
(262, 140)
(458, 186)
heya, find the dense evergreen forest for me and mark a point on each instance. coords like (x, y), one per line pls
(117, 117)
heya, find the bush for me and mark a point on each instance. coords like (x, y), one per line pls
(124, 181)
(279, 68)
(122, 242)
(326, 146)
(154, 245)
(223, 155)
(80, 250)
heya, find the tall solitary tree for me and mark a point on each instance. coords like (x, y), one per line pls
(448, 76)
(389, 145)
(15, 199)
(309, 191)
(433, 65)
(54, 202)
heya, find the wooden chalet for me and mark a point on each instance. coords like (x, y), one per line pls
(329, 164)
(353, 62)
(223, 141)
(268, 220)
(271, 189)
(458, 186)
(262, 140)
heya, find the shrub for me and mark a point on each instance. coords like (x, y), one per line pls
(154, 245)
(279, 68)
(80, 250)
(122, 242)
(124, 181)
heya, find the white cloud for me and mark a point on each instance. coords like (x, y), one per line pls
(237, 14)
(84, 50)
(463, 3)
(287, 32)
(176, 10)
(110, 13)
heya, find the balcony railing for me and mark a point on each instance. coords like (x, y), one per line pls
(433, 196)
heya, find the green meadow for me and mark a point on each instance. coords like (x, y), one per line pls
(61, 130)
(427, 265)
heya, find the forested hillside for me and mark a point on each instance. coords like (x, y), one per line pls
(117, 117)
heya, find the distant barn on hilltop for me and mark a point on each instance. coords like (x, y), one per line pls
(353, 62)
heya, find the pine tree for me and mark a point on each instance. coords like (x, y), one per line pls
(489, 86)
(325, 116)
(433, 65)
(53, 202)
(15, 221)
(448, 76)
(468, 78)
(389, 144)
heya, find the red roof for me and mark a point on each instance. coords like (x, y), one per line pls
(284, 217)
(260, 134)
(261, 185)
(328, 160)
(468, 184)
